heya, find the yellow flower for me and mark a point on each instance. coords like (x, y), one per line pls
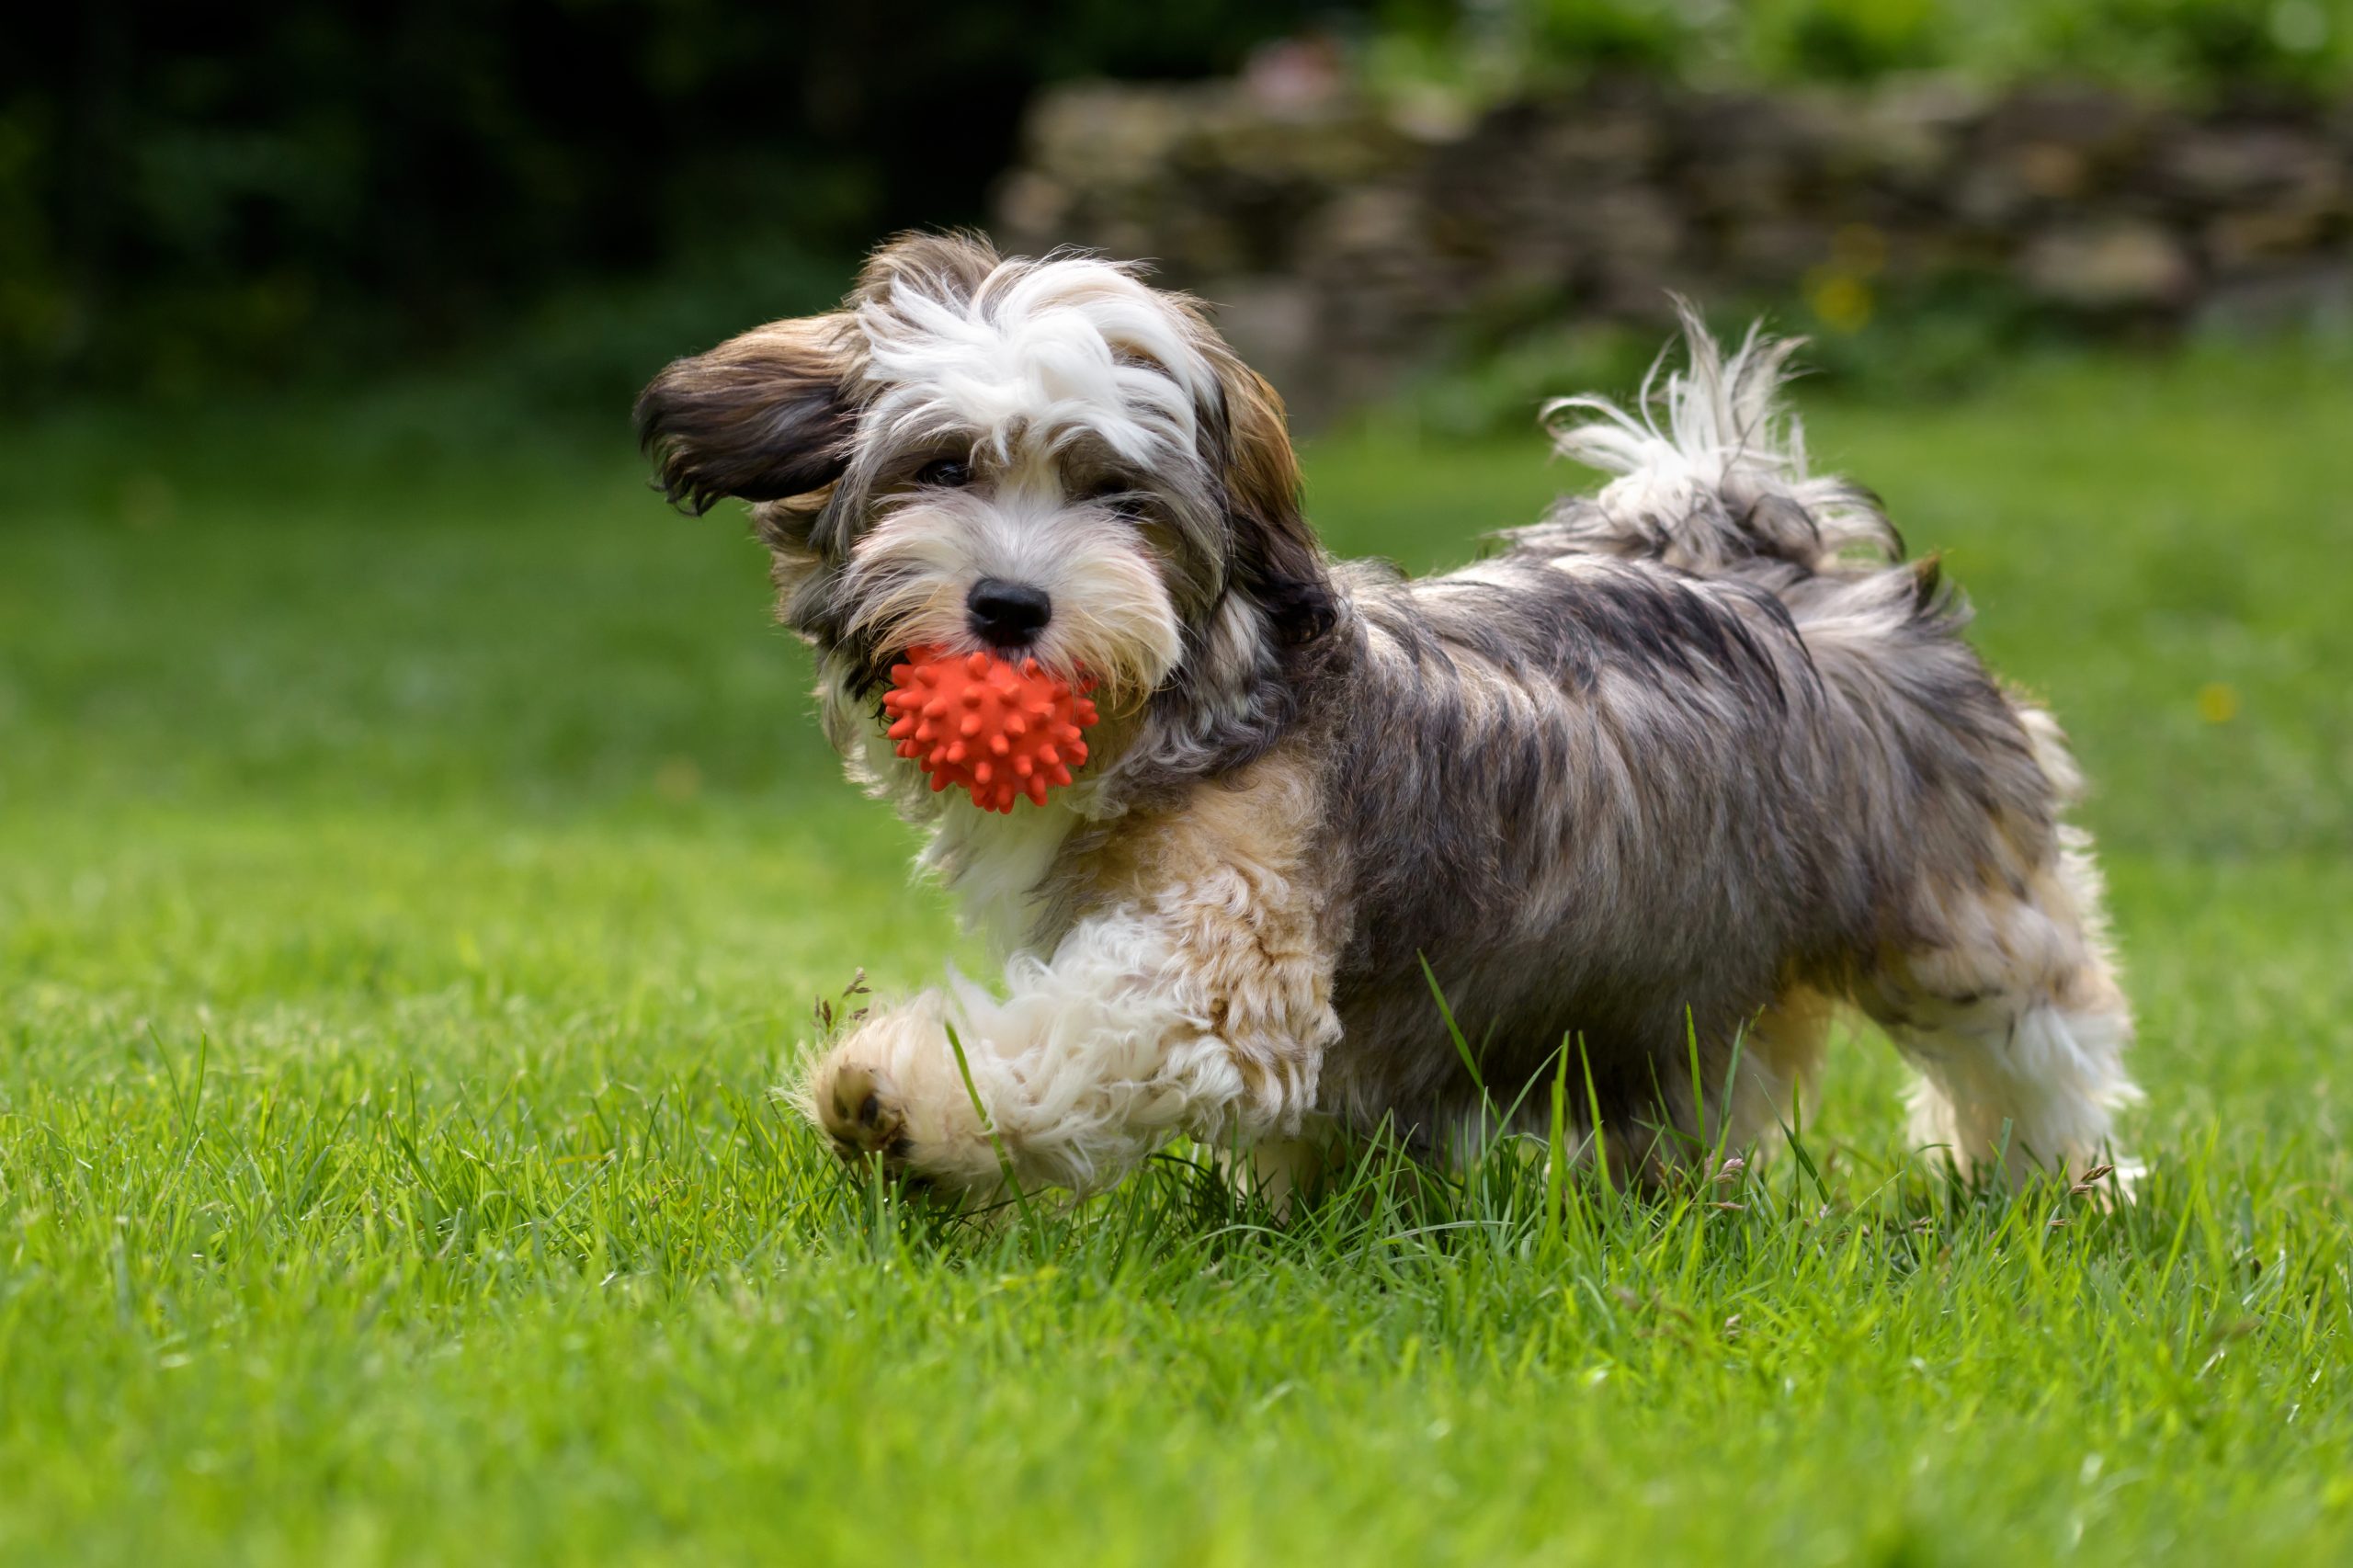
(1841, 299)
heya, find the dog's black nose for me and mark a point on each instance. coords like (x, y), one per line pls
(1007, 613)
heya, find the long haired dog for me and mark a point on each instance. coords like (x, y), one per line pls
(1679, 769)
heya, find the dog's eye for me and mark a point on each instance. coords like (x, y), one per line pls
(948, 473)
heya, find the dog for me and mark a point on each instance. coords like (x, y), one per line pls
(1664, 781)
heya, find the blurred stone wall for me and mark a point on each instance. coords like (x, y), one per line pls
(1346, 241)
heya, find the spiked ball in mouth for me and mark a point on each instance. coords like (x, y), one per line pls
(978, 722)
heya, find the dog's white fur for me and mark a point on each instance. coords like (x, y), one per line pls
(1081, 347)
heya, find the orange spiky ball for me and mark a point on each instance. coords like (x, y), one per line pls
(977, 721)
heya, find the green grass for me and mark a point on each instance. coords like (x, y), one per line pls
(417, 866)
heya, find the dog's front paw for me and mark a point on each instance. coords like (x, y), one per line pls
(858, 1108)
(891, 1091)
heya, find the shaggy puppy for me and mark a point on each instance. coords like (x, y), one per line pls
(1680, 769)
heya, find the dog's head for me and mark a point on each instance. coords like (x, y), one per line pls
(1043, 457)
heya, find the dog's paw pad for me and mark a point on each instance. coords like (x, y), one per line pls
(860, 1116)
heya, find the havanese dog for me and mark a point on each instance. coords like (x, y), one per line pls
(1664, 781)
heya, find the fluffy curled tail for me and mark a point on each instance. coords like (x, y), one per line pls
(1711, 470)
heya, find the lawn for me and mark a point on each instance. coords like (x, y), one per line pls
(417, 866)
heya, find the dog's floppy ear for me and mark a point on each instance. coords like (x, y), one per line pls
(762, 417)
(1276, 556)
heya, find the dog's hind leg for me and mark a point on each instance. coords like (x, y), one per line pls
(1778, 1070)
(2014, 1022)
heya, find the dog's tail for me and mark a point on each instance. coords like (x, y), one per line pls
(1711, 471)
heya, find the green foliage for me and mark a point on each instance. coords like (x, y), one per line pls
(1845, 39)
(1610, 34)
(195, 195)
(2193, 44)
(2191, 47)
(416, 864)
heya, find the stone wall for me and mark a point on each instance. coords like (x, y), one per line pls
(1346, 241)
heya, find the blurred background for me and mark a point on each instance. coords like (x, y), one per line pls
(320, 323)
(559, 194)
